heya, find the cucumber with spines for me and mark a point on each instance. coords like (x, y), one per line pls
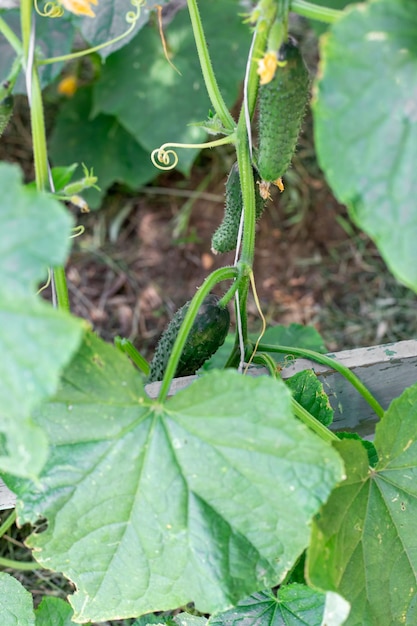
(282, 104)
(225, 237)
(207, 334)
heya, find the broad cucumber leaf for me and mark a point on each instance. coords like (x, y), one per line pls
(294, 605)
(54, 37)
(206, 498)
(365, 116)
(308, 391)
(110, 22)
(16, 606)
(364, 544)
(54, 612)
(100, 143)
(152, 100)
(36, 341)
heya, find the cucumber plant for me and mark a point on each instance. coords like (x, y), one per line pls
(236, 485)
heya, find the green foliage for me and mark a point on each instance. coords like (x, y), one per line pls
(155, 103)
(363, 544)
(214, 494)
(100, 141)
(31, 363)
(198, 488)
(294, 605)
(6, 111)
(366, 125)
(309, 392)
(15, 603)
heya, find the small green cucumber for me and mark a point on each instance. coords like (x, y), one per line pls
(282, 103)
(225, 237)
(6, 110)
(207, 334)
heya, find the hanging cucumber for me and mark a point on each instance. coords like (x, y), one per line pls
(6, 110)
(225, 237)
(282, 103)
(207, 334)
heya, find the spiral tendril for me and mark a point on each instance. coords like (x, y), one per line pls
(51, 9)
(160, 155)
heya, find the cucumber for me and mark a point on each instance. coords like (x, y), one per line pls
(225, 237)
(207, 334)
(6, 110)
(282, 104)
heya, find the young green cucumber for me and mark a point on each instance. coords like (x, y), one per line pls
(6, 110)
(207, 334)
(225, 237)
(282, 103)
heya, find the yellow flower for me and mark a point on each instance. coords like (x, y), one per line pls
(266, 67)
(79, 7)
(68, 86)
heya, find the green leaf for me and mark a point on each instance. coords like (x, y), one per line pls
(155, 103)
(16, 606)
(54, 612)
(54, 37)
(308, 391)
(205, 498)
(100, 143)
(366, 125)
(295, 605)
(36, 341)
(110, 22)
(364, 544)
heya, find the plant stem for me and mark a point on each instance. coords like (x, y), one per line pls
(8, 34)
(223, 273)
(212, 87)
(333, 364)
(40, 153)
(19, 565)
(10, 519)
(128, 348)
(61, 288)
(315, 11)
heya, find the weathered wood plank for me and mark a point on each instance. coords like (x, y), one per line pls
(385, 370)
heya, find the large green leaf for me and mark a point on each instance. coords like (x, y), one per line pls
(294, 605)
(206, 498)
(110, 22)
(155, 103)
(366, 125)
(100, 143)
(36, 341)
(16, 606)
(364, 544)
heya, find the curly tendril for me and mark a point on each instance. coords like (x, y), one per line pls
(51, 9)
(161, 157)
